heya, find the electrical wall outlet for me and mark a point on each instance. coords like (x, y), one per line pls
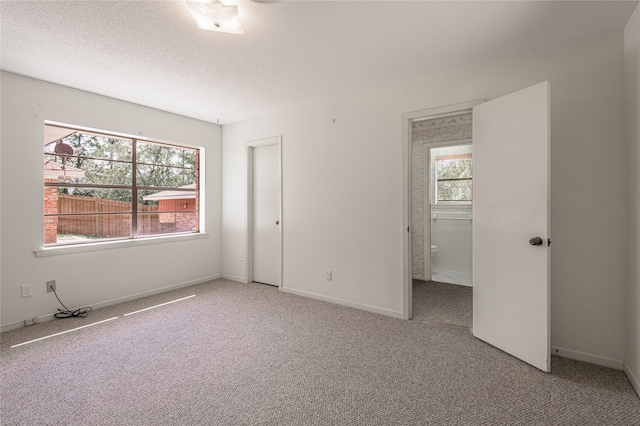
(27, 290)
(51, 286)
(328, 274)
(30, 321)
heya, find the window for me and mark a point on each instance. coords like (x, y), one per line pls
(100, 186)
(452, 175)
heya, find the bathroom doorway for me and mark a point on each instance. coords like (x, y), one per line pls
(450, 183)
(510, 220)
(441, 228)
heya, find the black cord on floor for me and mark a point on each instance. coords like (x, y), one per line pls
(66, 313)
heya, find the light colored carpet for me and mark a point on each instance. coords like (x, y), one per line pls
(442, 303)
(247, 354)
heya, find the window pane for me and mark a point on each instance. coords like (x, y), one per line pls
(451, 169)
(174, 211)
(72, 214)
(85, 144)
(87, 171)
(165, 166)
(86, 228)
(150, 153)
(167, 177)
(181, 199)
(167, 223)
(458, 190)
(88, 200)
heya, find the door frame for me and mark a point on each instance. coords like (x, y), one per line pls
(250, 146)
(407, 145)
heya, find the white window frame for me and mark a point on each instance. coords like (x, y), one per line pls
(432, 172)
(52, 250)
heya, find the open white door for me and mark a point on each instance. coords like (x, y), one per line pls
(510, 207)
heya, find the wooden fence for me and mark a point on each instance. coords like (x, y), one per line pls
(93, 224)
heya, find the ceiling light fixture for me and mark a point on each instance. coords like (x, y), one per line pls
(216, 15)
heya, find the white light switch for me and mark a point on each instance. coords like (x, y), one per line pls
(27, 290)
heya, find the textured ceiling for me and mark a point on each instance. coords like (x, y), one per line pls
(293, 52)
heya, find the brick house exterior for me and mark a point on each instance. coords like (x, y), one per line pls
(50, 207)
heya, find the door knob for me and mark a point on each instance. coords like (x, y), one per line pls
(535, 241)
(277, 222)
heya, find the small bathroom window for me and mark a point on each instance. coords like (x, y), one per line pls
(451, 175)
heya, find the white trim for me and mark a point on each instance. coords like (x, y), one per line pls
(248, 244)
(360, 306)
(111, 302)
(272, 140)
(407, 269)
(633, 378)
(407, 121)
(426, 210)
(202, 193)
(235, 278)
(586, 357)
(108, 245)
(453, 142)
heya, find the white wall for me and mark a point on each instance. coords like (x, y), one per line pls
(100, 276)
(342, 187)
(632, 92)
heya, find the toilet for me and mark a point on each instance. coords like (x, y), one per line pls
(434, 252)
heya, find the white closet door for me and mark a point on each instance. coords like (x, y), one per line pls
(266, 214)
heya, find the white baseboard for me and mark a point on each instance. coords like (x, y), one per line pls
(418, 277)
(586, 357)
(235, 278)
(12, 326)
(362, 307)
(104, 304)
(633, 378)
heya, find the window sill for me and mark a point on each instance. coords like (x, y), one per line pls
(108, 245)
